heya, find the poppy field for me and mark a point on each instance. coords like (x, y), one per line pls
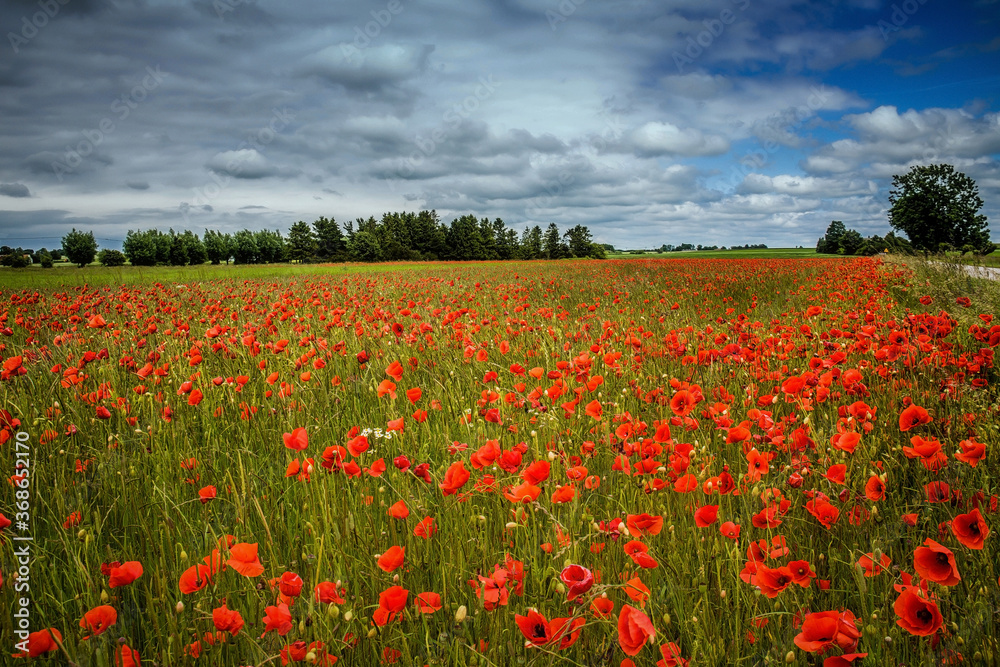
(648, 462)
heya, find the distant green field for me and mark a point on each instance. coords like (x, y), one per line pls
(66, 275)
(771, 253)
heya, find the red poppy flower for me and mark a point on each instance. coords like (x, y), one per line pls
(534, 627)
(970, 529)
(634, 630)
(243, 558)
(730, 530)
(872, 568)
(290, 584)
(935, 562)
(537, 472)
(427, 603)
(824, 512)
(917, 615)
(454, 478)
(207, 493)
(602, 607)
(326, 592)
(525, 492)
(125, 656)
(875, 489)
(822, 630)
(125, 574)
(972, 452)
(425, 528)
(98, 620)
(227, 620)
(195, 578)
(706, 515)
(40, 643)
(578, 580)
(564, 494)
(399, 510)
(277, 618)
(391, 603)
(671, 653)
(297, 440)
(913, 416)
(643, 524)
(637, 591)
(772, 581)
(391, 559)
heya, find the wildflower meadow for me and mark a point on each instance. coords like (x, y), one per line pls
(626, 462)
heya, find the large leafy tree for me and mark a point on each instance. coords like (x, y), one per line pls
(80, 247)
(140, 248)
(936, 206)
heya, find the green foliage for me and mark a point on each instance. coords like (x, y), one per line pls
(178, 250)
(365, 247)
(196, 251)
(531, 243)
(17, 260)
(140, 247)
(851, 242)
(329, 239)
(270, 246)
(80, 247)
(218, 247)
(552, 244)
(302, 243)
(244, 247)
(935, 205)
(111, 258)
(45, 259)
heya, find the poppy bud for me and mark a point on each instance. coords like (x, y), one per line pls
(372, 632)
(461, 613)
(310, 657)
(333, 611)
(348, 616)
(104, 597)
(179, 607)
(790, 657)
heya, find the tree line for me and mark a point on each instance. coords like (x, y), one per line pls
(403, 236)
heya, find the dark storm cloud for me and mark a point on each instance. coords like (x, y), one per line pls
(14, 190)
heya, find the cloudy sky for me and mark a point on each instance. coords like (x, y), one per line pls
(651, 121)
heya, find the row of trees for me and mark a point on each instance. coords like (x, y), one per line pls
(668, 247)
(397, 236)
(21, 257)
(839, 240)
